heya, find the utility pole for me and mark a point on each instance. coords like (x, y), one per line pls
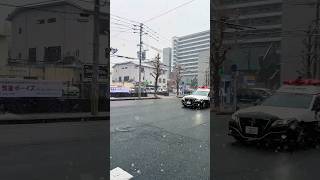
(316, 67)
(94, 81)
(140, 58)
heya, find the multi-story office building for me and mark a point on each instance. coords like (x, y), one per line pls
(167, 58)
(261, 29)
(186, 50)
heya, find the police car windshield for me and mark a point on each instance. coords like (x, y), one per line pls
(289, 100)
(201, 93)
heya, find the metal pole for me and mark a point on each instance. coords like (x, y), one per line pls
(235, 90)
(94, 82)
(140, 58)
(317, 64)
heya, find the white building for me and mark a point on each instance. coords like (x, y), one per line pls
(53, 31)
(129, 72)
(186, 50)
(204, 68)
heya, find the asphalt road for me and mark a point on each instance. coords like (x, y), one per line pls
(234, 161)
(64, 151)
(158, 139)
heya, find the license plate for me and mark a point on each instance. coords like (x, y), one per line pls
(251, 130)
(188, 102)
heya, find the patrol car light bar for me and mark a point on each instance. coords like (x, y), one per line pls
(297, 82)
(203, 87)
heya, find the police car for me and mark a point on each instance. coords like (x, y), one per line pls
(198, 99)
(289, 115)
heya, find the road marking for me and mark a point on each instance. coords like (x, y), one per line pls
(119, 174)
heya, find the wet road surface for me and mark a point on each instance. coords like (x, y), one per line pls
(64, 151)
(234, 161)
(158, 139)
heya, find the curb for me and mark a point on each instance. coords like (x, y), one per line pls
(132, 99)
(54, 120)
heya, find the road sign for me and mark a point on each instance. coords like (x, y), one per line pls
(102, 72)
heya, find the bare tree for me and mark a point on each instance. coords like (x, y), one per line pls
(307, 55)
(217, 54)
(177, 73)
(158, 70)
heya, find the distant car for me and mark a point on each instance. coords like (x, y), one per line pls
(198, 99)
(150, 90)
(252, 95)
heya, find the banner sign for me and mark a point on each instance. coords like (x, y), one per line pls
(119, 90)
(30, 88)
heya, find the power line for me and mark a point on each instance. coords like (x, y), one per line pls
(166, 12)
(122, 21)
(35, 8)
(123, 25)
(127, 19)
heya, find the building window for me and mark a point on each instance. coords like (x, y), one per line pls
(52, 54)
(20, 30)
(52, 20)
(120, 79)
(32, 55)
(164, 81)
(143, 78)
(126, 78)
(19, 56)
(159, 80)
(40, 21)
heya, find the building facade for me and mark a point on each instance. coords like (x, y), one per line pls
(186, 51)
(55, 34)
(294, 43)
(204, 68)
(167, 58)
(261, 29)
(129, 72)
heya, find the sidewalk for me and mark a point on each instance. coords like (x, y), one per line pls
(131, 98)
(51, 117)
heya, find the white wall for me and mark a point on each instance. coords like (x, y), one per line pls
(66, 32)
(132, 70)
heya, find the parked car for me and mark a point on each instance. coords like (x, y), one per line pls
(290, 115)
(252, 95)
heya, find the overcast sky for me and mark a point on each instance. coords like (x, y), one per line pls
(191, 18)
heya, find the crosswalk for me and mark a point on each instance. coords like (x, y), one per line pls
(119, 174)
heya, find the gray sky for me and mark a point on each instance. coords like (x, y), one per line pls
(191, 18)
